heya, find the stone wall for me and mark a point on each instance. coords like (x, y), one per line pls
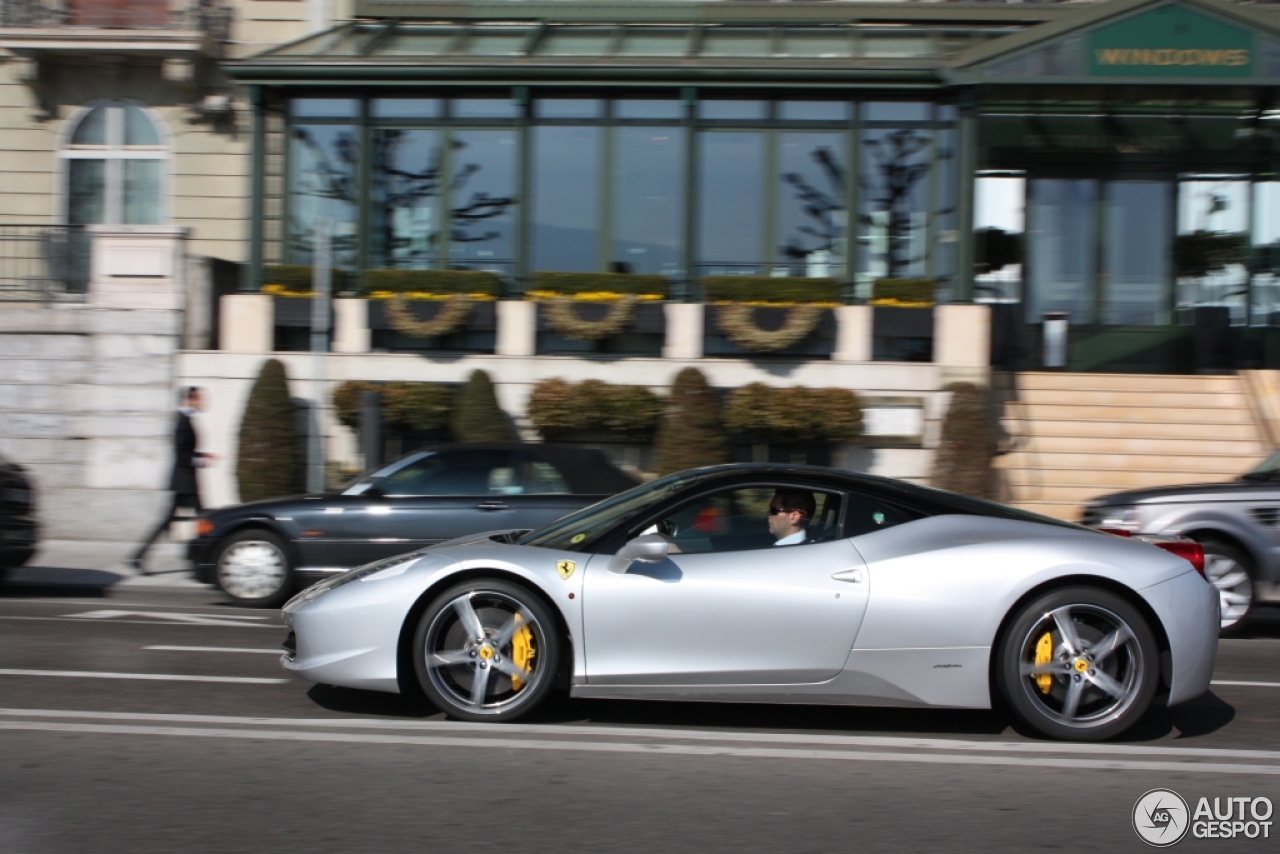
(87, 391)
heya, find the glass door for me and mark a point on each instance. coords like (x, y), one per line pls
(1134, 279)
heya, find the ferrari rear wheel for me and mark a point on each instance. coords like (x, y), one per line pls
(486, 650)
(1079, 664)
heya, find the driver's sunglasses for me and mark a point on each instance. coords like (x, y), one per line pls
(774, 511)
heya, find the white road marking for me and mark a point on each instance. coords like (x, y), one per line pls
(169, 617)
(1246, 684)
(649, 748)
(671, 734)
(215, 649)
(154, 677)
(71, 619)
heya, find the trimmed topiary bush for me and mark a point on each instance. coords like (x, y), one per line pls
(691, 433)
(478, 418)
(559, 408)
(270, 460)
(963, 460)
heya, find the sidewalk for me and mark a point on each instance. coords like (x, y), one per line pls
(166, 563)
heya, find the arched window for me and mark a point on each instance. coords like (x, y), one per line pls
(116, 157)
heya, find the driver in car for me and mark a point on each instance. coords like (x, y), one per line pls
(789, 513)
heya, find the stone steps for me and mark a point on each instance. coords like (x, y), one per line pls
(1081, 436)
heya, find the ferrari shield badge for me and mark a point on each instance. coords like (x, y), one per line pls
(565, 568)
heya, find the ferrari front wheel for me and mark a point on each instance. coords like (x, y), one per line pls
(1079, 664)
(486, 650)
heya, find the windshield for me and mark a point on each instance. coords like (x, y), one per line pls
(1268, 469)
(578, 530)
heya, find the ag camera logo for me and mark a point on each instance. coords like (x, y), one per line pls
(1160, 818)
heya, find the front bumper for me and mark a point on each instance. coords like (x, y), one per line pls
(350, 635)
(200, 553)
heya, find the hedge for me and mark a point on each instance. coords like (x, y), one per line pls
(586, 283)
(298, 277)
(557, 407)
(419, 406)
(770, 289)
(433, 281)
(904, 290)
(796, 414)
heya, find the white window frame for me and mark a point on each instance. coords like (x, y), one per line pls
(114, 153)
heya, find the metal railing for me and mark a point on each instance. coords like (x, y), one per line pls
(206, 16)
(44, 263)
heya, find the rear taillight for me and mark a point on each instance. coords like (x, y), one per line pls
(1116, 532)
(1188, 550)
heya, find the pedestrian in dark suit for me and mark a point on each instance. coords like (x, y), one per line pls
(182, 483)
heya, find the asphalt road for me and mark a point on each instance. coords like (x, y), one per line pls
(140, 719)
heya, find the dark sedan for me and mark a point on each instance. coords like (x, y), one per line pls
(18, 528)
(258, 553)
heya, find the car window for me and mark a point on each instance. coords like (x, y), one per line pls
(865, 514)
(738, 519)
(541, 478)
(479, 472)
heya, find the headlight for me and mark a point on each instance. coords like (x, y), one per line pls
(376, 571)
(1119, 518)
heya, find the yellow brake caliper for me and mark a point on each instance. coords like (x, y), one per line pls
(1044, 654)
(521, 653)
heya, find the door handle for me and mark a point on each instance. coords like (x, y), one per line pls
(853, 576)
(491, 505)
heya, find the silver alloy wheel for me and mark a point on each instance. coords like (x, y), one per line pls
(1235, 588)
(474, 657)
(252, 569)
(1095, 665)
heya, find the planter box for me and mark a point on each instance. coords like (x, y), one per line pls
(644, 337)
(901, 334)
(818, 344)
(476, 335)
(291, 319)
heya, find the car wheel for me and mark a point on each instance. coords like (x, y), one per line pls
(252, 567)
(1079, 664)
(487, 650)
(1231, 572)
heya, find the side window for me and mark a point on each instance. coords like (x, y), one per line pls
(541, 478)
(866, 514)
(740, 518)
(459, 473)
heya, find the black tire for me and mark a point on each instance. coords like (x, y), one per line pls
(253, 568)
(455, 667)
(1095, 684)
(1224, 564)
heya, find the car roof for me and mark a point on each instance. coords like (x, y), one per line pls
(935, 501)
(587, 471)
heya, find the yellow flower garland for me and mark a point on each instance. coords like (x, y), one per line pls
(737, 322)
(448, 319)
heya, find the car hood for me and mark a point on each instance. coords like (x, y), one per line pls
(1233, 490)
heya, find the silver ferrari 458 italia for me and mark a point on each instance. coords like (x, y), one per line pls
(778, 584)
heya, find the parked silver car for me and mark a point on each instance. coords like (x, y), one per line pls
(1237, 523)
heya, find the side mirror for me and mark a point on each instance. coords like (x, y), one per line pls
(649, 548)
